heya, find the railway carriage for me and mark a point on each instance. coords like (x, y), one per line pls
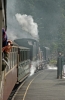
(17, 69)
(23, 63)
(10, 73)
(20, 61)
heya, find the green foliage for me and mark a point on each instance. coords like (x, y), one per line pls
(53, 62)
(50, 17)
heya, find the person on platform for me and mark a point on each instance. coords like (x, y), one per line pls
(6, 48)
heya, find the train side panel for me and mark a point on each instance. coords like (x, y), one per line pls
(9, 82)
(10, 73)
(23, 63)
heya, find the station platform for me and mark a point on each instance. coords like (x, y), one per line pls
(43, 85)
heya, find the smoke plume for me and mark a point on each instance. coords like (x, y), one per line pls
(27, 23)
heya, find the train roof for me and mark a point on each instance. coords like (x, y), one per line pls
(20, 47)
(23, 48)
(25, 42)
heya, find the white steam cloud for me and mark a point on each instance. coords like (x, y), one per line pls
(11, 34)
(28, 24)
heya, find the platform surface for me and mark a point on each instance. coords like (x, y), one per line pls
(44, 85)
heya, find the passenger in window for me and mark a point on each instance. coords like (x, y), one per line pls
(4, 38)
(7, 48)
(6, 44)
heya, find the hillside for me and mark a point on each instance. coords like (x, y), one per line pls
(49, 16)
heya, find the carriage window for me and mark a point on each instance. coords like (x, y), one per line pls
(26, 55)
(19, 56)
(15, 57)
(22, 55)
(10, 59)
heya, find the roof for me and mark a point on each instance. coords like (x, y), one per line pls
(24, 48)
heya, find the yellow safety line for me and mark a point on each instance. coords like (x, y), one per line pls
(28, 87)
(27, 90)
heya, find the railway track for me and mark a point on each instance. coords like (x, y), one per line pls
(15, 89)
(21, 92)
(19, 85)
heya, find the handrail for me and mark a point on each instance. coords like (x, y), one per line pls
(5, 62)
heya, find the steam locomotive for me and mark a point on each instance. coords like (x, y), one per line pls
(36, 55)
